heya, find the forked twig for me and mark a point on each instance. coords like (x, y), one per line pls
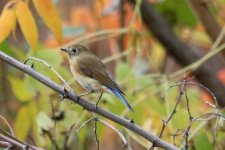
(95, 132)
(118, 132)
(165, 122)
(6, 137)
(50, 67)
(177, 133)
(67, 137)
(85, 123)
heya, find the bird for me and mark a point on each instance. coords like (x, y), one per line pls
(90, 72)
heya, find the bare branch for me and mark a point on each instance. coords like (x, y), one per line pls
(118, 132)
(165, 122)
(87, 105)
(95, 132)
(67, 136)
(13, 142)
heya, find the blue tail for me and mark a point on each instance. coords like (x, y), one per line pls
(121, 97)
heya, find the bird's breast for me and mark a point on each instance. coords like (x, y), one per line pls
(86, 82)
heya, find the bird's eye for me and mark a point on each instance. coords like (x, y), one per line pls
(75, 50)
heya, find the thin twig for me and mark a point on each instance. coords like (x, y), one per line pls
(193, 66)
(6, 122)
(50, 67)
(207, 89)
(48, 133)
(177, 133)
(211, 116)
(175, 85)
(175, 107)
(187, 102)
(6, 137)
(165, 122)
(95, 133)
(84, 124)
(67, 136)
(118, 132)
(54, 127)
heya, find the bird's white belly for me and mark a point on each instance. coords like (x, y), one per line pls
(86, 82)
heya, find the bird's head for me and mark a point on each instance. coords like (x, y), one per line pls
(75, 50)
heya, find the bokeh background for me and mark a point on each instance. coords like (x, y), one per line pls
(148, 49)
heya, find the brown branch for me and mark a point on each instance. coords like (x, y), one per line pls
(87, 105)
(202, 9)
(185, 55)
(95, 132)
(67, 137)
(212, 27)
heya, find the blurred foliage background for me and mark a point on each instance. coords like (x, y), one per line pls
(115, 32)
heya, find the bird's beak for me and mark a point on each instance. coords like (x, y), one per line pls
(63, 49)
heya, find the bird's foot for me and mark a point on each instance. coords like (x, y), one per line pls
(64, 94)
(96, 106)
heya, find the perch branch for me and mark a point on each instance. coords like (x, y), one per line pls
(87, 105)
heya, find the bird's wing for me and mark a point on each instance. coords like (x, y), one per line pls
(95, 69)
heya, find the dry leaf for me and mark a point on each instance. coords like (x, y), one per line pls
(7, 23)
(27, 23)
(50, 16)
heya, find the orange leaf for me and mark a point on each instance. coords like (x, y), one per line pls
(7, 23)
(221, 75)
(27, 23)
(82, 16)
(50, 16)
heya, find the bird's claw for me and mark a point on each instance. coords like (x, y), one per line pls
(64, 94)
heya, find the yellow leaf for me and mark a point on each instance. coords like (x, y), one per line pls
(7, 23)
(22, 123)
(50, 16)
(27, 23)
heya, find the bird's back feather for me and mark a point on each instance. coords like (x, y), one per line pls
(91, 67)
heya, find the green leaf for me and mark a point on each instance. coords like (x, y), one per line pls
(34, 86)
(123, 71)
(6, 49)
(50, 56)
(177, 12)
(202, 142)
(20, 90)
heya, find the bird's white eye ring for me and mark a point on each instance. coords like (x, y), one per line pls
(75, 50)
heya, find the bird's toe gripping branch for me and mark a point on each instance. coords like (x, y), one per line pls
(64, 94)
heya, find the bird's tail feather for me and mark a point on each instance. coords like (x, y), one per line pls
(121, 97)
